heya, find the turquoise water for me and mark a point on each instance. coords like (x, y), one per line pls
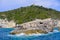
(4, 35)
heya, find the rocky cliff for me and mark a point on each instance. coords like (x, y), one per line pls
(36, 26)
(4, 23)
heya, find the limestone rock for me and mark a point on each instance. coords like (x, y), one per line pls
(43, 26)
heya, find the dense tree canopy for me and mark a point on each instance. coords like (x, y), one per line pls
(25, 14)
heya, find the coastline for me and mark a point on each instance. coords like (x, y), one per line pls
(34, 34)
(35, 26)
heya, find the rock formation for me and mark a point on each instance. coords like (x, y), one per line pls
(4, 23)
(36, 26)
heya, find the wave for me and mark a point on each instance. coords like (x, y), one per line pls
(16, 35)
(55, 31)
(23, 34)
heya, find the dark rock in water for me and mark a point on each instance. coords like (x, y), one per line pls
(12, 33)
(0, 26)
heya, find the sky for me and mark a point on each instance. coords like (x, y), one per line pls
(6, 5)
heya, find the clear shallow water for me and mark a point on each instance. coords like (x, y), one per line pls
(4, 35)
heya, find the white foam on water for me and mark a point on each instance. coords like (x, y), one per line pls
(34, 34)
(55, 31)
(23, 34)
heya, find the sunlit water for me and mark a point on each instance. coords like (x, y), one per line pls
(4, 35)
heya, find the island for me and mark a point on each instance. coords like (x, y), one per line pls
(30, 19)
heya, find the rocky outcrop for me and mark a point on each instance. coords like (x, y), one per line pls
(36, 26)
(4, 23)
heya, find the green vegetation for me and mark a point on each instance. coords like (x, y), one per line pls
(25, 14)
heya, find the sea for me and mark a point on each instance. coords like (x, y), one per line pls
(5, 35)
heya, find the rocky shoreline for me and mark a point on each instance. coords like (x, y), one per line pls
(37, 26)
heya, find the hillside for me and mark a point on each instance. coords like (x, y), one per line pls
(25, 14)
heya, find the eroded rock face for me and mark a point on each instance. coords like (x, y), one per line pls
(44, 26)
